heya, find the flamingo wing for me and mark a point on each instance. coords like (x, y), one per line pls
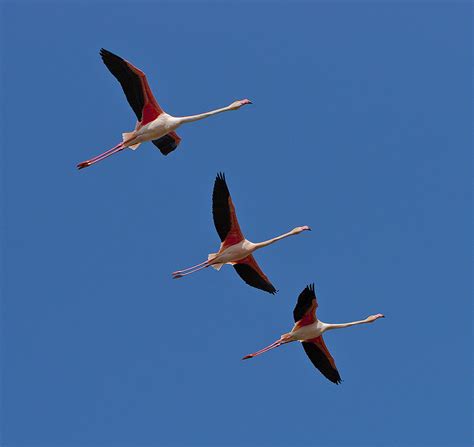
(251, 273)
(319, 355)
(135, 87)
(167, 143)
(304, 312)
(223, 212)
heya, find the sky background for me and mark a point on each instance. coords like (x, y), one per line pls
(360, 128)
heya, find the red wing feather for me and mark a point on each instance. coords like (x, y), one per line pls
(135, 87)
(167, 143)
(252, 274)
(320, 342)
(320, 357)
(151, 109)
(309, 317)
(223, 212)
(235, 233)
(304, 312)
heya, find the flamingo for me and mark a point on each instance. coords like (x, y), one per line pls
(309, 331)
(235, 249)
(153, 123)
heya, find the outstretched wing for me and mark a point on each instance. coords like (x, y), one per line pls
(167, 143)
(223, 212)
(304, 312)
(319, 355)
(135, 87)
(251, 273)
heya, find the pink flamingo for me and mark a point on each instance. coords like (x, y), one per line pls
(235, 249)
(153, 123)
(309, 331)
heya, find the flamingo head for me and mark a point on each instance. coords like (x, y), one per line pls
(372, 318)
(299, 230)
(238, 104)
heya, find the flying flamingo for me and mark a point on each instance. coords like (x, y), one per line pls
(153, 123)
(309, 331)
(235, 249)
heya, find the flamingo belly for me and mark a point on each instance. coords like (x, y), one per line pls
(234, 253)
(309, 331)
(156, 129)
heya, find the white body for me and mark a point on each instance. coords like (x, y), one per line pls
(155, 129)
(235, 252)
(308, 332)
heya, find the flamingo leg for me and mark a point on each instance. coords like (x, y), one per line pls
(190, 268)
(105, 153)
(101, 157)
(180, 275)
(274, 345)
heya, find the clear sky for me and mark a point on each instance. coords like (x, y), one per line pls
(360, 128)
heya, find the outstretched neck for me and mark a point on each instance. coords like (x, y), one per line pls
(275, 239)
(201, 116)
(370, 319)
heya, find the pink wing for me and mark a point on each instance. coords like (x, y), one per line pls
(304, 312)
(135, 87)
(252, 274)
(223, 212)
(320, 357)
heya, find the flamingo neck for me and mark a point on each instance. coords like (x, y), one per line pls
(272, 241)
(201, 116)
(344, 325)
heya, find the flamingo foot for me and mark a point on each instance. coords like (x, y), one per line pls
(83, 165)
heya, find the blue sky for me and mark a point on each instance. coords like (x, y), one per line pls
(360, 128)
